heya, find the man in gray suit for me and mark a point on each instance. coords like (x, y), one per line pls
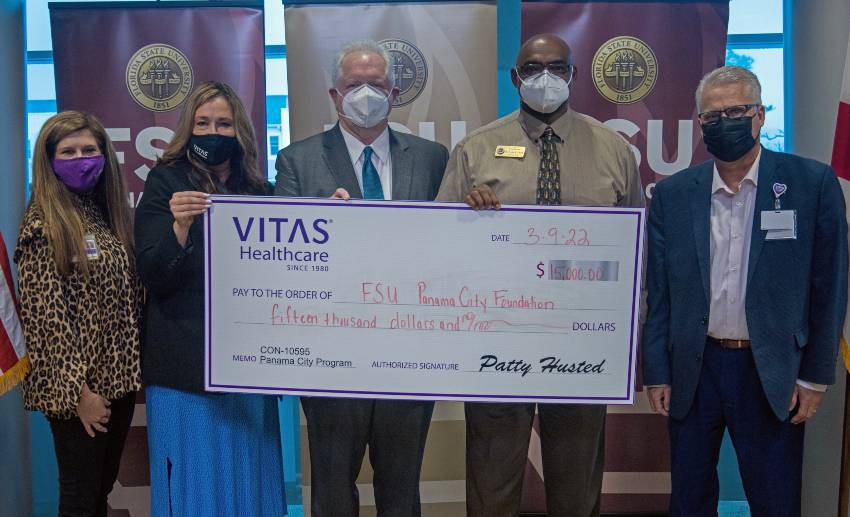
(361, 157)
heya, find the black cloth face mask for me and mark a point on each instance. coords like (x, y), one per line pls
(213, 149)
(729, 138)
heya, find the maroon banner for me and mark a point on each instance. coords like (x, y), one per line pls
(639, 64)
(638, 67)
(133, 64)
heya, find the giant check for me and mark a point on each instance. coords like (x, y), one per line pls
(422, 300)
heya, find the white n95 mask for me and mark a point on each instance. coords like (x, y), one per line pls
(544, 92)
(365, 106)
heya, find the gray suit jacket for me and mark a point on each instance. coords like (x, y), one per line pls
(318, 165)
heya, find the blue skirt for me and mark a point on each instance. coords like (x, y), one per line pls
(214, 455)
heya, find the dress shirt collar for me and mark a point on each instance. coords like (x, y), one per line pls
(381, 145)
(534, 127)
(717, 183)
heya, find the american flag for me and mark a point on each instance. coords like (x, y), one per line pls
(14, 363)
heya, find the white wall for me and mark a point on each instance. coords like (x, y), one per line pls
(819, 32)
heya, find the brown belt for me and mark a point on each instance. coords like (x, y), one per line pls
(731, 343)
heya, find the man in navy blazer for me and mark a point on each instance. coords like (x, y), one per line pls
(747, 281)
(361, 157)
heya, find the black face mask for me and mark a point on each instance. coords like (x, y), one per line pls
(729, 138)
(213, 149)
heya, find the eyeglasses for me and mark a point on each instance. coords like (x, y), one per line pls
(532, 68)
(733, 112)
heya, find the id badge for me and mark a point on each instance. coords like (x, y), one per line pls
(779, 224)
(510, 151)
(92, 252)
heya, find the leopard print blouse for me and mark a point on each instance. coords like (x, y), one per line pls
(77, 331)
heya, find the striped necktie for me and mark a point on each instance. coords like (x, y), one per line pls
(371, 181)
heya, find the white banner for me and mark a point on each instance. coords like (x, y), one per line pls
(443, 59)
(422, 300)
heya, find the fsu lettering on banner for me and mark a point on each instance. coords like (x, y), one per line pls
(132, 65)
(638, 66)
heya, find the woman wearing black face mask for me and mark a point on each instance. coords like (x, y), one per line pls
(210, 454)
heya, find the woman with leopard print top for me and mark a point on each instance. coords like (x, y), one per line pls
(80, 302)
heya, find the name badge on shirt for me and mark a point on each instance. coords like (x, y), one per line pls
(780, 224)
(510, 151)
(91, 247)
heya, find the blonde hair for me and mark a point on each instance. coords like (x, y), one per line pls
(245, 175)
(63, 223)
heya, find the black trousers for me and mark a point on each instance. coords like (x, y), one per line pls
(340, 429)
(572, 440)
(88, 467)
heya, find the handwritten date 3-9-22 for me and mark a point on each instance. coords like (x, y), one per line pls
(555, 236)
(491, 363)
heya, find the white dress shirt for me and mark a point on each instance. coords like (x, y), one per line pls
(381, 159)
(731, 231)
(732, 216)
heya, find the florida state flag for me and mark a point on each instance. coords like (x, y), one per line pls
(841, 164)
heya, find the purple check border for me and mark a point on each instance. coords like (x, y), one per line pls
(627, 398)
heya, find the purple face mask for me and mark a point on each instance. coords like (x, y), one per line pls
(80, 175)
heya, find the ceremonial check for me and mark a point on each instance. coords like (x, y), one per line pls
(411, 300)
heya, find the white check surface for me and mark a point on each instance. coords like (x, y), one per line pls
(422, 300)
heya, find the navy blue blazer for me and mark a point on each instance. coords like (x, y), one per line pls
(796, 289)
